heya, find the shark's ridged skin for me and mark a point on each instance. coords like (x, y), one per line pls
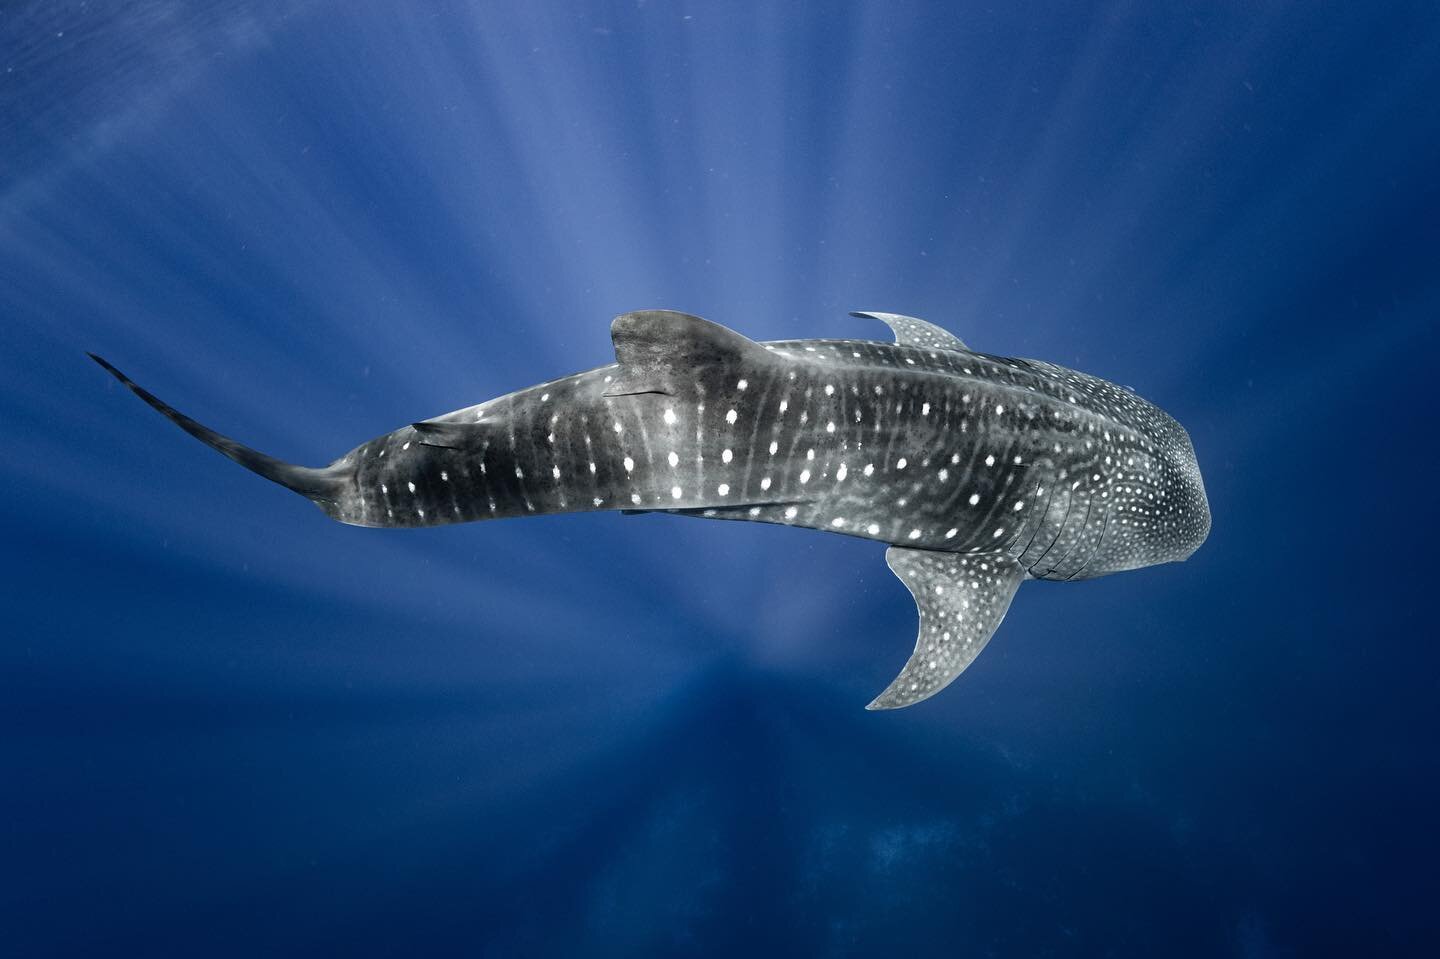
(980, 469)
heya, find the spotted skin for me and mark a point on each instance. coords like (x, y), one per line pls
(962, 597)
(981, 471)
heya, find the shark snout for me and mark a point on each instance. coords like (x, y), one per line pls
(1195, 513)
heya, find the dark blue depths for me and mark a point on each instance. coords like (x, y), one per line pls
(229, 726)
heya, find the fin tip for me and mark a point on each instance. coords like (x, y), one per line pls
(106, 365)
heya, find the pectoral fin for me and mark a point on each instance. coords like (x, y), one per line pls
(962, 597)
(912, 331)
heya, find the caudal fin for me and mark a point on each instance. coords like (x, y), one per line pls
(322, 486)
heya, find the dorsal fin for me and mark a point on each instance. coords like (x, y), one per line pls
(910, 331)
(660, 351)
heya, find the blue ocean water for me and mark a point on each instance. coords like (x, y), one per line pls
(231, 727)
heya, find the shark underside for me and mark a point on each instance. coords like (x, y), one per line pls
(979, 471)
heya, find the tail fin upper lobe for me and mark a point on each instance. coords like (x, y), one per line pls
(323, 486)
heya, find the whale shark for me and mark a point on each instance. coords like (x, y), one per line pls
(977, 471)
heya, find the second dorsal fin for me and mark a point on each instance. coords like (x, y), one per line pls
(455, 436)
(660, 351)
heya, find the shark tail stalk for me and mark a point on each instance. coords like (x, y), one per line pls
(323, 486)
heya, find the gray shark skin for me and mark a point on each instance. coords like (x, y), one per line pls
(979, 471)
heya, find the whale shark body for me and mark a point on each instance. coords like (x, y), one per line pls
(979, 471)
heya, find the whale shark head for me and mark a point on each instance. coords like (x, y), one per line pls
(1191, 507)
(1180, 509)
